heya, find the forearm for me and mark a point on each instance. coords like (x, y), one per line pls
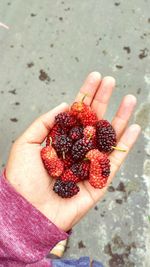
(26, 235)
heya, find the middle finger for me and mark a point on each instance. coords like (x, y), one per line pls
(103, 94)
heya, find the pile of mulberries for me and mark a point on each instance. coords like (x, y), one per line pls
(77, 149)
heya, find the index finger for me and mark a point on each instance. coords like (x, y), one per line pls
(89, 87)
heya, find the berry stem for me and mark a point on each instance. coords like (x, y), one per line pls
(63, 154)
(119, 149)
(50, 138)
(85, 95)
(90, 136)
(85, 159)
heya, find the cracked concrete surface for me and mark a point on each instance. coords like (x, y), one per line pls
(50, 48)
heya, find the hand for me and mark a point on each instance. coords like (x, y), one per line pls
(25, 170)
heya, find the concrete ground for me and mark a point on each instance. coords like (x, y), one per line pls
(50, 48)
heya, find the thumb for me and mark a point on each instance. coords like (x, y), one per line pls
(39, 129)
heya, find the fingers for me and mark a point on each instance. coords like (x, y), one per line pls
(40, 128)
(126, 142)
(123, 114)
(103, 95)
(89, 87)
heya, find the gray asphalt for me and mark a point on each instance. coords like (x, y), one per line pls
(46, 54)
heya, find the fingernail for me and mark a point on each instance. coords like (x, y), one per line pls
(130, 98)
(134, 130)
(109, 79)
(95, 75)
(64, 104)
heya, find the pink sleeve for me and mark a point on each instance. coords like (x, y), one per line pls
(26, 235)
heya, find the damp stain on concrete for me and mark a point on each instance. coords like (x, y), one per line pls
(33, 15)
(143, 53)
(63, 93)
(121, 187)
(12, 92)
(111, 188)
(138, 91)
(119, 252)
(119, 201)
(76, 59)
(127, 49)
(43, 76)
(81, 244)
(17, 103)
(30, 64)
(124, 189)
(119, 66)
(61, 18)
(14, 119)
(117, 3)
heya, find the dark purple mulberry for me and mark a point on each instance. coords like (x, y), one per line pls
(66, 120)
(65, 189)
(81, 147)
(81, 169)
(62, 144)
(105, 135)
(76, 133)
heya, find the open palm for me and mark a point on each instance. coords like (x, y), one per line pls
(25, 170)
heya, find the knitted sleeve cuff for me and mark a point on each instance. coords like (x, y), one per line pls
(26, 235)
